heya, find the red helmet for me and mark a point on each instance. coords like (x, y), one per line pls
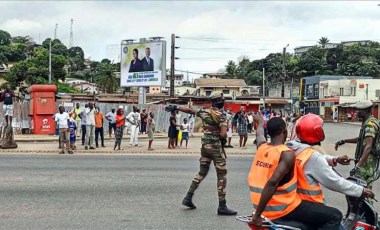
(309, 129)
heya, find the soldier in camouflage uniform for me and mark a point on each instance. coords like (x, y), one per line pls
(367, 163)
(212, 150)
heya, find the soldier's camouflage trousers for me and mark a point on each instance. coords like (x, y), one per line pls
(368, 170)
(211, 151)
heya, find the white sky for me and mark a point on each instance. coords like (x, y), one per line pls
(252, 28)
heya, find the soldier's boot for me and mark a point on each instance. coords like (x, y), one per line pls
(188, 202)
(224, 211)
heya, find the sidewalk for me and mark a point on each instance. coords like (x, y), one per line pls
(47, 138)
(49, 144)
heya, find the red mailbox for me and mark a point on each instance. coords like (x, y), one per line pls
(42, 108)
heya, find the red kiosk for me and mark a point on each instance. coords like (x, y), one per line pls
(42, 108)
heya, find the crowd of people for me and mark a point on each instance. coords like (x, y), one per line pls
(88, 123)
(242, 123)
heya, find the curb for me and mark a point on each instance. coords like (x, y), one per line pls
(55, 138)
(351, 123)
(123, 152)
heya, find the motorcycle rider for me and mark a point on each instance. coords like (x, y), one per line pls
(314, 169)
(273, 184)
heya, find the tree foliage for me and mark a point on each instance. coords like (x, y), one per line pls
(31, 64)
(350, 60)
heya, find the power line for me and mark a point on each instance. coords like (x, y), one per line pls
(219, 49)
(256, 40)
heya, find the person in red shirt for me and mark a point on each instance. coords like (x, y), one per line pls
(120, 121)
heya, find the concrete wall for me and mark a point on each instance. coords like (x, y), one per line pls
(21, 118)
(275, 90)
(202, 90)
(331, 88)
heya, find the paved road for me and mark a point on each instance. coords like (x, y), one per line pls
(50, 191)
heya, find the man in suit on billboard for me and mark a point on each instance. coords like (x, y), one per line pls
(147, 61)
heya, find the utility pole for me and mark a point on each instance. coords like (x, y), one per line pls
(291, 96)
(50, 62)
(264, 87)
(172, 58)
(283, 71)
(366, 92)
(71, 34)
(172, 64)
(55, 30)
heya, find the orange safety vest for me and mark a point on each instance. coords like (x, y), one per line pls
(285, 199)
(312, 193)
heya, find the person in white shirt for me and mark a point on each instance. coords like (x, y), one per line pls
(191, 124)
(90, 126)
(134, 119)
(250, 122)
(185, 132)
(229, 129)
(62, 118)
(111, 117)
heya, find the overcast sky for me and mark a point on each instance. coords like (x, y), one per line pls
(232, 29)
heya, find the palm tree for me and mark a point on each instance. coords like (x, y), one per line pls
(106, 78)
(323, 41)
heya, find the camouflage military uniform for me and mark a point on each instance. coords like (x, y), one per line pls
(370, 128)
(211, 150)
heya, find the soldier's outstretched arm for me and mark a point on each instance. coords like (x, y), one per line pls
(260, 138)
(187, 110)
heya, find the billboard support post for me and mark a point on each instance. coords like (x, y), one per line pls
(142, 89)
(142, 95)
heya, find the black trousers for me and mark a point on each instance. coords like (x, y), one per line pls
(97, 132)
(249, 127)
(83, 134)
(313, 216)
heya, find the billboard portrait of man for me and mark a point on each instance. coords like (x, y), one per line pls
(147, 61)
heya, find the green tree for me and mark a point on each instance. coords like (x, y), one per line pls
(17, 73)
(5, 38)
(75, 60)
(105, 78)
(323, 42)
(231, 69)
(105, 60)
(66, 88)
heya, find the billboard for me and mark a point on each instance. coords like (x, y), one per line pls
(143, 64)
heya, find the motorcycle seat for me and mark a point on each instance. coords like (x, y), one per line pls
(294, 224)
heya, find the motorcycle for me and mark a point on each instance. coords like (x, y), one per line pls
(360, 215)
